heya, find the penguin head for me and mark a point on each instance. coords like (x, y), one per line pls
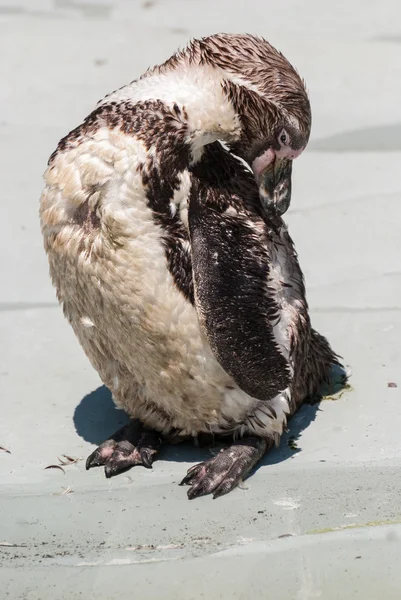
(241, 90)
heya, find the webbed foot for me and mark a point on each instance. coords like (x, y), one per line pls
(129, 446)
(221, 474)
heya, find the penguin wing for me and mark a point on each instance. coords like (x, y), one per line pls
(230, 263)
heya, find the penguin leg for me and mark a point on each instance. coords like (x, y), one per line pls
(131, 445)
(221, 474)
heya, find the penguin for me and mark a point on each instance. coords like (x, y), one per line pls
(162, 222)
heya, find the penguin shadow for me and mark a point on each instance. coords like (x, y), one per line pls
(96, 418)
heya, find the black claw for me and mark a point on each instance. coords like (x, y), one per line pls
(196, 492)
(108, 471)
(187, 479)
(93, 461)
(114, 469)
(224, 488)
(191, 474)
(147, 458)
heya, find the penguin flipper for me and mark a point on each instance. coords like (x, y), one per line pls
(230, 266)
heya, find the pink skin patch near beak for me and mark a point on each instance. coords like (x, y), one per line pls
(261, 162)
(265, 159)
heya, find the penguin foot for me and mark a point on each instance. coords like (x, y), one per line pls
(131, 445)
(221, 474)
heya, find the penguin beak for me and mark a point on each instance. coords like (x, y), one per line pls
(275, 185)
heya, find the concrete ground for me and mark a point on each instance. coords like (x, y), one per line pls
(321, 517)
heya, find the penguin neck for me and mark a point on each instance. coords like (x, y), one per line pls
(197, 91)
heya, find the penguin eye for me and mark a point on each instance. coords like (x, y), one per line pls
(283, 137)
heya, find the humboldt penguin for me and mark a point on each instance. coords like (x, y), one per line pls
(161, 218)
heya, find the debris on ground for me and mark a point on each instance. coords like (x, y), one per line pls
(64, 462)
(67, 490)
(55, 467)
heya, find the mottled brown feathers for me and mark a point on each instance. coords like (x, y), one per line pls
(164, 130)
(151, 121)
(142, 202)
(252, 62)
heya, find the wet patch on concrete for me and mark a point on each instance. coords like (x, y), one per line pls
(89, 10)
(384, 138)
(148, 4)
(179, 31)
(392, 39)
(380, 523)
(12, 10)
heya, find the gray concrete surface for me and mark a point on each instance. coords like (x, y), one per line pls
(336, 497)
